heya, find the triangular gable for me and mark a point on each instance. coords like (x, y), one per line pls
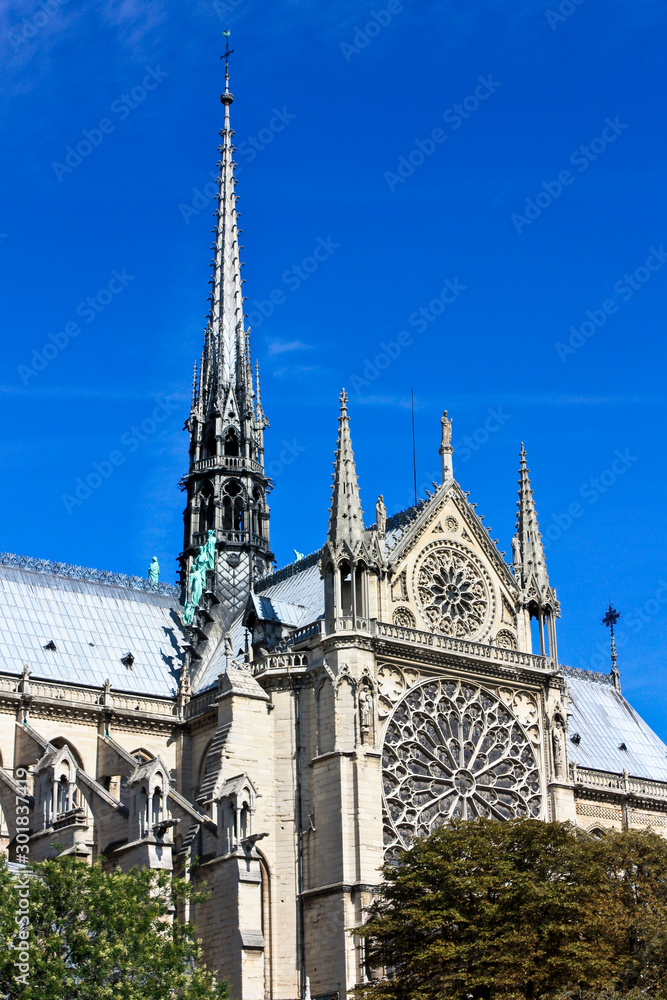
(427, 518)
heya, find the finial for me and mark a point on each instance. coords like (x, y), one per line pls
(446, 450)
(227, 97)
(343, 400)
(610, 619)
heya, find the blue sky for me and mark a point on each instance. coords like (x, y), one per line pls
(515, 151)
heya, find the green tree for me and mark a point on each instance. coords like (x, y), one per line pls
(528, 910)
(95, 935)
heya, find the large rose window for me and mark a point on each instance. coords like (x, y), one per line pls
(452, 592)
(454, 751)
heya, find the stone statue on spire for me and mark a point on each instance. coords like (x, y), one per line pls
(446, 450)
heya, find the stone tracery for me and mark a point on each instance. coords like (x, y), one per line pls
(454, 751)
(451, 590)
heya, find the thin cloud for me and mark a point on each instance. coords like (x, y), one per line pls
(283, 346)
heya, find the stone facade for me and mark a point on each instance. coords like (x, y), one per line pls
(309, 722)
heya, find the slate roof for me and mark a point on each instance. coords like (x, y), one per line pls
(305, 588)
(268, 609)
(604, 719)
(92, 625)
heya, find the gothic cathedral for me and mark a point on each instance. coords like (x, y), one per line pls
(294, 729)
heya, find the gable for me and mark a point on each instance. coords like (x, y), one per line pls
(448, 577)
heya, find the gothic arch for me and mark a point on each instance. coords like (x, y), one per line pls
(60, 743)
(230, 442)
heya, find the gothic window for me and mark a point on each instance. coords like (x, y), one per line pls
(143, 813)
(206, 508)
(359, 589)
(257, 512)
(454, 751)
(231, 443)
(157, 806)
(62, 797)
(345, 589)
(453, 591)
(210, 443)
(232, 506)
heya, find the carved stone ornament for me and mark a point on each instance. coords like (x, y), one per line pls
(454, 751)
(506, 639)
(404, 618)
(453, 591)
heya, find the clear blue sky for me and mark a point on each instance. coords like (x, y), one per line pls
(526, 199)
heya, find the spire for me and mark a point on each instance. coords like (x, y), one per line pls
(225, 323)
(346, 523)
(610, 619)
(529, 562)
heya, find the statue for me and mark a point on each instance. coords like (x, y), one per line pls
(298, 556)
(154, 573)
(381, 515)
(446, 431)
(516, 551)
(209, 549)
(557, 738)
(366, 713)
(197, 581)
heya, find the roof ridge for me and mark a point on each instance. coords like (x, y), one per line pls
(587, 675)
(72, 572)
(290, 570)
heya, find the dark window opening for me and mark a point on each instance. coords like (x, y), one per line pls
(231, 447)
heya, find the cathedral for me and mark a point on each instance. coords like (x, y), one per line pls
(279, 734)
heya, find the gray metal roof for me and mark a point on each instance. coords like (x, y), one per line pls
(92, 625)
(604, 719)
(269, 609)
(305, 588)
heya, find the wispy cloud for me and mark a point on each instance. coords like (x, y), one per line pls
(284, 346)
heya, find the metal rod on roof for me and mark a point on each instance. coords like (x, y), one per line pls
(414, 452)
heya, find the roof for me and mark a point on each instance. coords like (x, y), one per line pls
(269, 609)
(304, 588)
(604, 720)
(93, 626)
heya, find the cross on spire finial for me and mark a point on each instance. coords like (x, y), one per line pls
(610, 619)
(225, 55)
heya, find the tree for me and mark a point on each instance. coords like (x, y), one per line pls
(94, 934)
(485, 910)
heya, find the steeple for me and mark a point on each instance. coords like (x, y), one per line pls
(226, 484)
(346, 523)
(532, 564)
(530, 568)
(226, 315)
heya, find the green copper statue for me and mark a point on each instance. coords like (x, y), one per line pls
(197, 583)
(154, 573)
(209, 548)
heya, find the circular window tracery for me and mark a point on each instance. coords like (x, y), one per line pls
(454, 751)
(452, 591)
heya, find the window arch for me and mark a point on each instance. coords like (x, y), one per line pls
(206, 508)
(157, 806)
(210, 442)
(232, 506)
(59, 742)
(231, 443)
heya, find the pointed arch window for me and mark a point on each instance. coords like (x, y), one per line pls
(231, 443)
(157, 806)
(232, 506)
(206, 508)
(210, 442)
(62, 796)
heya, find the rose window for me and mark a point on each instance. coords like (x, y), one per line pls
(454, 751)
(452, 592)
